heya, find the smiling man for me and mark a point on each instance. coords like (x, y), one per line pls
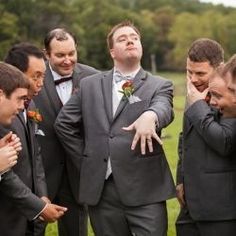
(29, 172)
(206, 169)
(12, 96)
(125, 189)
(222, 89)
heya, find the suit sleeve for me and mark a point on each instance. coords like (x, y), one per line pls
(219, 135)
(20, 195)
(179, 172)
(162, 103)
(68, 127)
(41, 189)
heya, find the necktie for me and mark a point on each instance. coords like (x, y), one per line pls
(62, 80)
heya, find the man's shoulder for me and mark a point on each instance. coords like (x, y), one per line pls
(79, 67)
(158, 78)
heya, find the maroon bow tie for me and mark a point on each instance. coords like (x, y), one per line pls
(62, 80)
(26, 103)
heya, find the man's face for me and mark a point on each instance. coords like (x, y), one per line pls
(231, 84)
(126, 45)
(221, 97)
(62, 56)
(199, 73)
(35, 74)
(10, 107)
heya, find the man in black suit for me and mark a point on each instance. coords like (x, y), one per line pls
(206, 173)
(230, 75)
(12, 96)
(29, 170)
(125, 190)
(62, 76)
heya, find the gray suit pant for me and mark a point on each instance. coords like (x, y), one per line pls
(186, 226)
(111, 218)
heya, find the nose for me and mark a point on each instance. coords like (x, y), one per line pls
(193, 78)
(40, 83)
(130, 40)
(213, 102)
(67, 60)
(21, 105)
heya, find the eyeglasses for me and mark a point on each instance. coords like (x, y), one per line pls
(38, 77)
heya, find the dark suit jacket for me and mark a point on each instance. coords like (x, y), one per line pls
(28, 175)
(139, 179)
(208, 167)
(53, 153)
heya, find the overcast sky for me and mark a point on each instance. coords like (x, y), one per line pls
(231, 3)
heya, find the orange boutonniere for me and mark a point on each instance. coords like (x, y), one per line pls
(127, 88)
(35, 116)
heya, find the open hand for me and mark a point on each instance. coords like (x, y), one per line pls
(145, 127)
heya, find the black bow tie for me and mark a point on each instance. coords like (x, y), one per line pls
(59, 81)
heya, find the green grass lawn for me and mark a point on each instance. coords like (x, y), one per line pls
(170, 139)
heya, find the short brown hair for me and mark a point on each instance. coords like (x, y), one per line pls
(206, 50)
(59, 34)
(11, 78)
(230, 67)
(115, 28)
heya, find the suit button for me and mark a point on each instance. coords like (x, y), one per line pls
(105, 160)
(111, 136)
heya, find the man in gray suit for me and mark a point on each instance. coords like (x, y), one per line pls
(206, 169)
(63, 74)
(29, 169)
(125, 190)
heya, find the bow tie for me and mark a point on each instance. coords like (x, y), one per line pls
(62, 80)
(119, 77)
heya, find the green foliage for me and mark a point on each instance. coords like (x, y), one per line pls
(167, 28)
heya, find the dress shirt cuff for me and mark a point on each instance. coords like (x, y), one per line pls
(40, 212)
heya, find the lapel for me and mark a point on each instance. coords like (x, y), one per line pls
(76, 76)
(51, 91)
(138, 82)
(31, 127)
(107, 93)
(29, 130)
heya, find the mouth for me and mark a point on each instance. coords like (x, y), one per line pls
(131, 48)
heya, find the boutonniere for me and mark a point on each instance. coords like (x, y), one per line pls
(128, 90)
(35, 116)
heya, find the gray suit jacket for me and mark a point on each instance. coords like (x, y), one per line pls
(27, 175)
(208, 163)
(53, 154)
(91, 134)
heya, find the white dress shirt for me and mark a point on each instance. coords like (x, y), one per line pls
(64, 90)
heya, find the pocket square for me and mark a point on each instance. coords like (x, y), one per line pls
(133, 99)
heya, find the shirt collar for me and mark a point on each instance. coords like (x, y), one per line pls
(56, 76)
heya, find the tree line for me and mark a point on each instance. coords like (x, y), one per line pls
(168, 27)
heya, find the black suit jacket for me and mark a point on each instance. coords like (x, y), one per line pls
(208, 166)
(140, 179)
(53, 154)
(28, 175)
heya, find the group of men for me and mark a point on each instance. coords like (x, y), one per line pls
(71, 144)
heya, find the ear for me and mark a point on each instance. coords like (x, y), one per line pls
(2, 94)
(112, 53)
(46, 54)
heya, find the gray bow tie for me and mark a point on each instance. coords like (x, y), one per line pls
(119, 77)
